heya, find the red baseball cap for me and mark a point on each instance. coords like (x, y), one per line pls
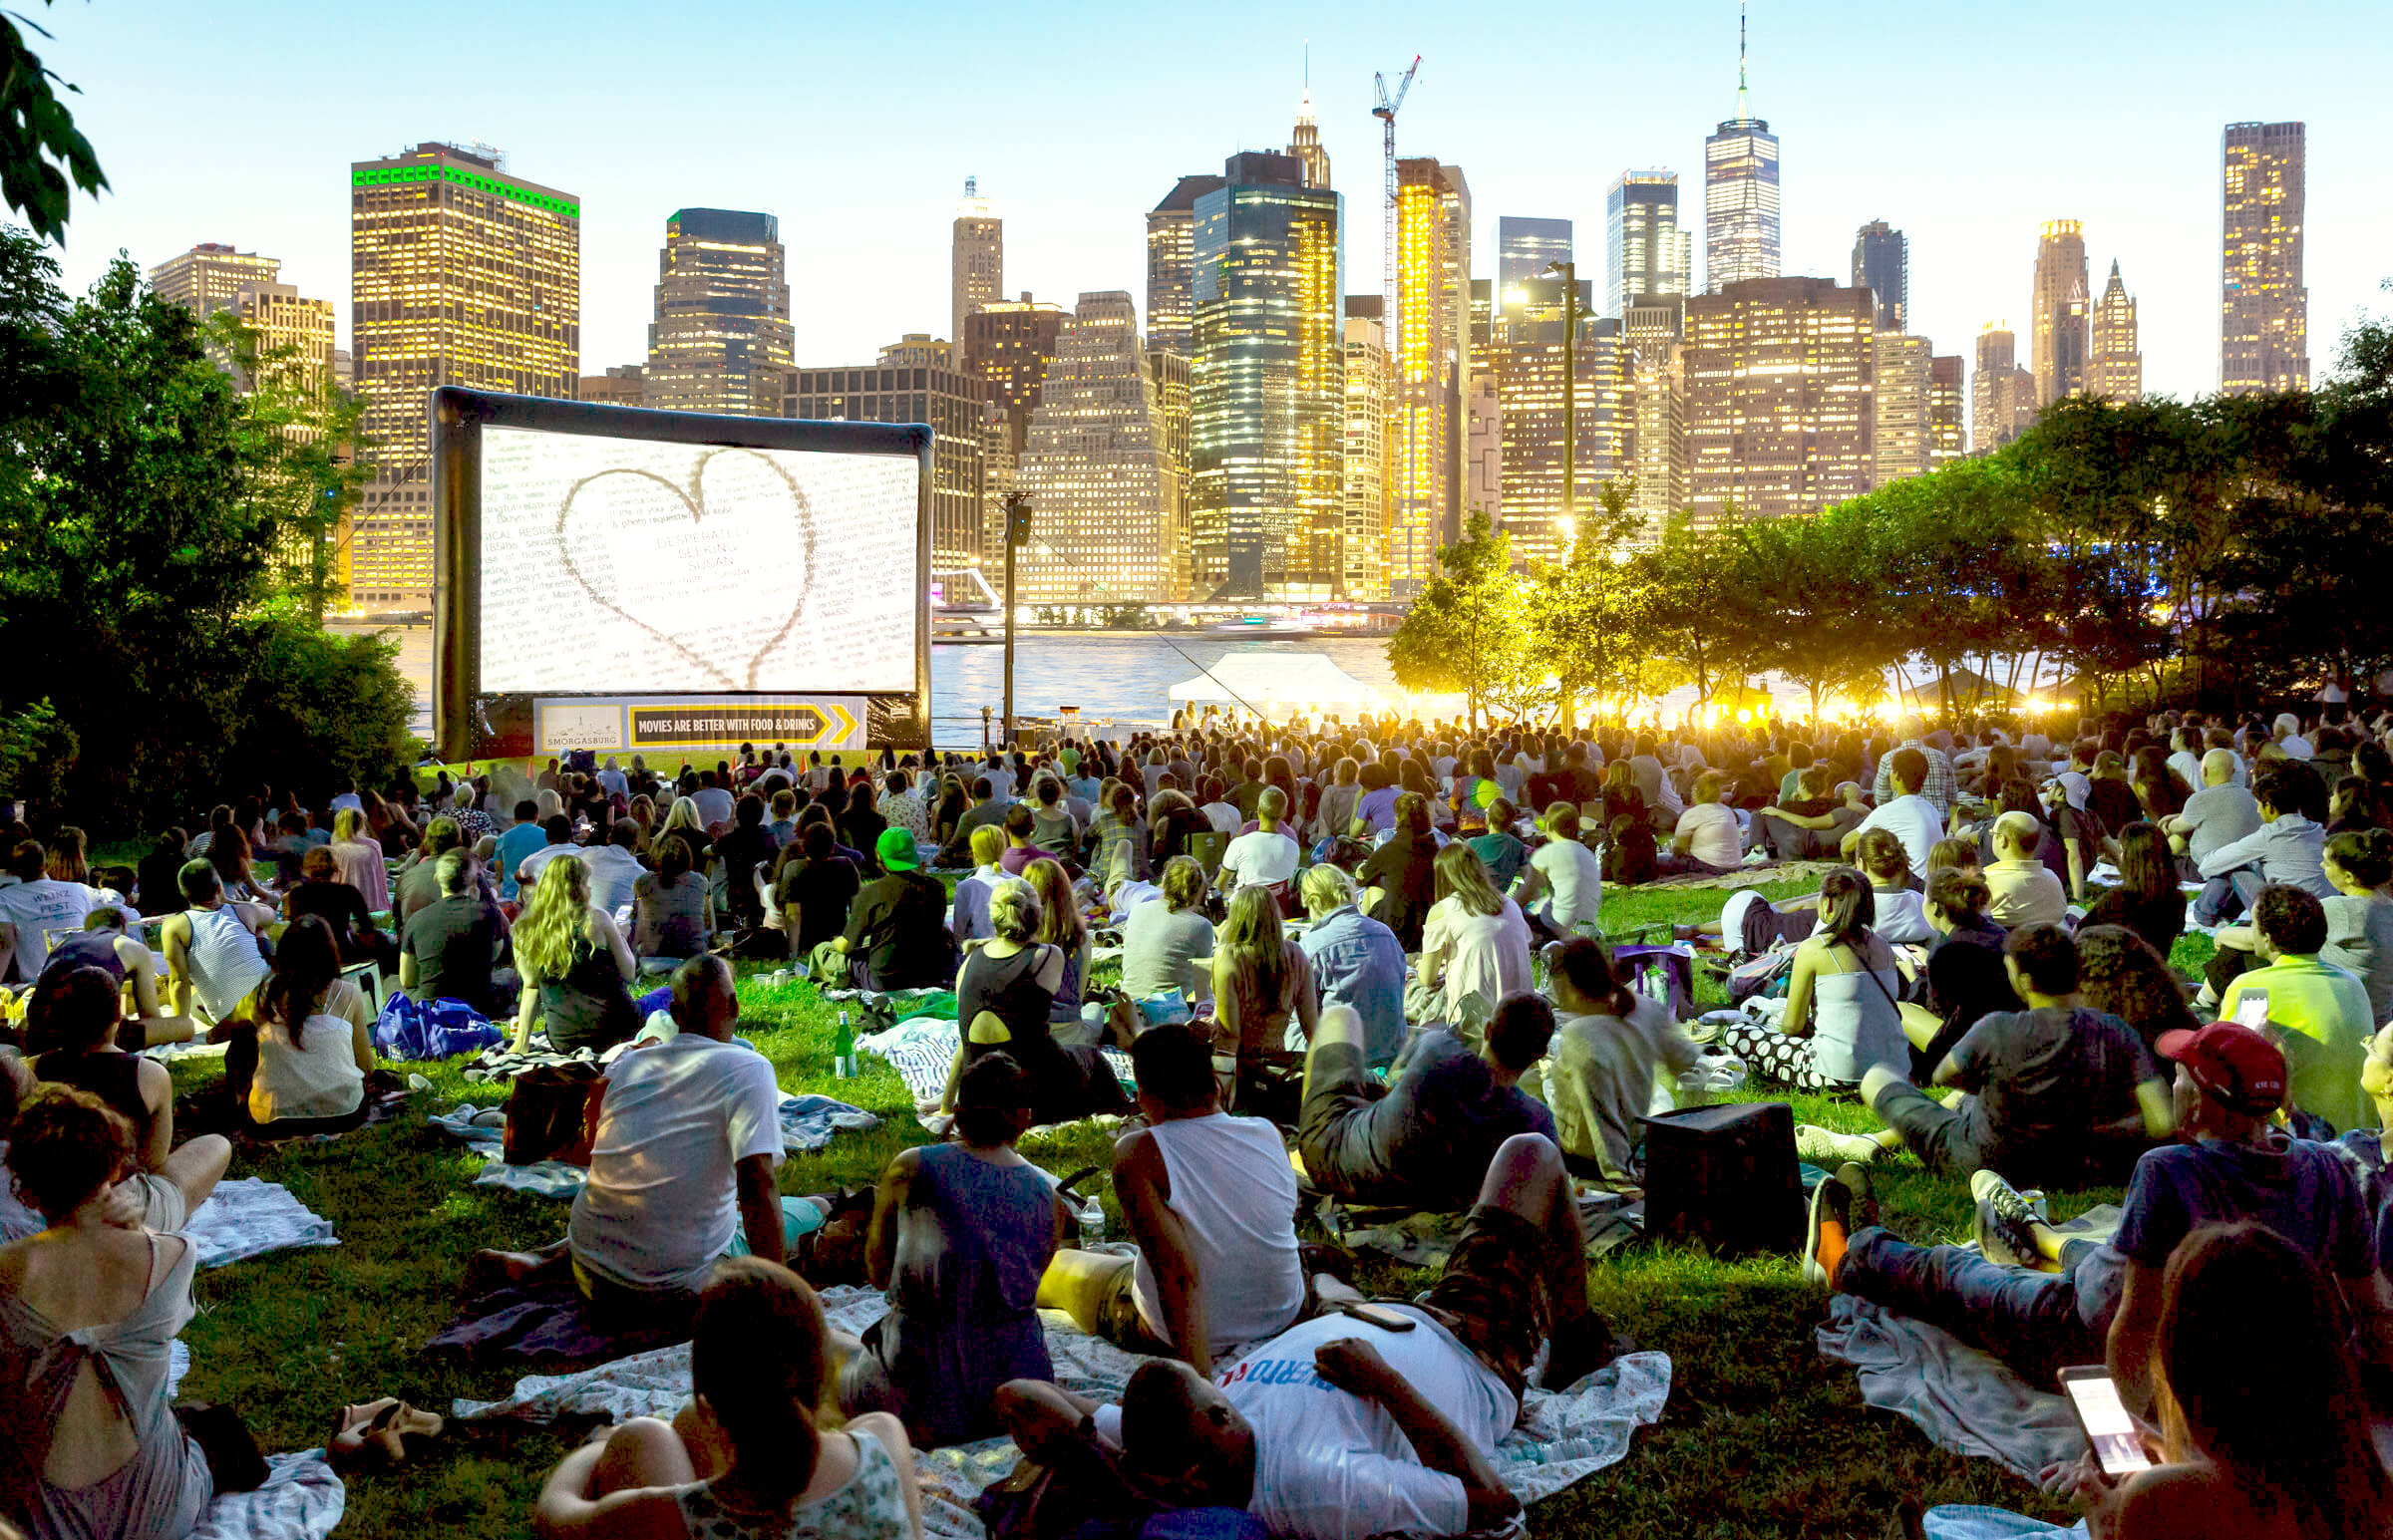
(2232, 1062)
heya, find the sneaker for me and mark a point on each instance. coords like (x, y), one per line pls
(1827, 1147)
(1831, 1200)
(2004, 1225)
(1860, 1207)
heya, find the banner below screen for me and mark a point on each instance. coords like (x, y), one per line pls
(637, 724)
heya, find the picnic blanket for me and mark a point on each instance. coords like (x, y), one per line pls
(808, 1124)
(1966, 1401)
(1606, 1409)
(897, 1005)
(1970, 1521)
(544, 1321)
(921, 1048)
(498, 1064)
(246, 1217)
(1747, 876)
(301, 1499)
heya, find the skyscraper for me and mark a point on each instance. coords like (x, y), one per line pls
(912, 382)
(1536, 512)
(1370, 496)
(721, 340)
(1947, 436)
(1170, 249)
(1882, 263)
(1103, 500)
(205, 279)
(1740, 195)
(2002, 396)
(461, 273)
(1304, 144)
(1781, 404)
(1654, 336)
(1010, 344)
(2115, 366)
(1483, 449)
(1267, 402)
(1524, 248)
(2264, 308)
(295, 331)
(1646, 255)
(2057, 312)
(976, 259)
(1433, 307)
(1168, 373)
(1903, 442)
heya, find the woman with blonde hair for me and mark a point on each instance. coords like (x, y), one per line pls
(575, 965)
(359, 859)
(1061, 925)
(1335, 815)
(1263, 997)
(1475, 944)
(683, 819)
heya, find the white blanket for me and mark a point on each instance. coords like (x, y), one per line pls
(1605, 1409)
(248, 1217)
(302, 1501)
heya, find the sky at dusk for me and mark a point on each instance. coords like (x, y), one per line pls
(1967, 126)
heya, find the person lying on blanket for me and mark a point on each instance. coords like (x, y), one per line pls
(745, 1456)
(1212, 1201)
(1351, 1425)
(1423, 1140)
(681, 1167)
(2081, 1300)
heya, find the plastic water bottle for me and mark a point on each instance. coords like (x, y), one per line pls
(1561, 1451)
(842, 1051)
(1092, 1222)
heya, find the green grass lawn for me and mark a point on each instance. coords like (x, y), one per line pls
(1761, 1437)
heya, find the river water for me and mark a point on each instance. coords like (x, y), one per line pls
(1122, 676)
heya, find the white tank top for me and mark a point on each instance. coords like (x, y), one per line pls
(225, 962)
(1232, 1188)
(318, 1078)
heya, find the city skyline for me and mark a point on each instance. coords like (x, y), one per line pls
(868, 233)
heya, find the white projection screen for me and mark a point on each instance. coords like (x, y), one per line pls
(610, 578)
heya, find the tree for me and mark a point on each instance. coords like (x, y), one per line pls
(39, 147)
(145, 506)
(1465, 631)
(1585, 614)
(1815, 579)
(1701, 615)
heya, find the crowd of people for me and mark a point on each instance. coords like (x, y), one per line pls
(1360, 964)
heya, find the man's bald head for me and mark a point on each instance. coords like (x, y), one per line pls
(2218, 768)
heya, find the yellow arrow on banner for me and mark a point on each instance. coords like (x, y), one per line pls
(847, 723)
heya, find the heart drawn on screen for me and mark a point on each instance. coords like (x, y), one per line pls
(700, 574)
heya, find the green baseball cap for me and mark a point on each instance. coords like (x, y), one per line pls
(897, 849)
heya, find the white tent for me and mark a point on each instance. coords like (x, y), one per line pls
(1278, 684)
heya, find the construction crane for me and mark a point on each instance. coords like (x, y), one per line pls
(1385, 111)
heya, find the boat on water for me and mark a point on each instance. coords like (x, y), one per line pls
(1273, 628)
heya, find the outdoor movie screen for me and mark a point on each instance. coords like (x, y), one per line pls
(598, 551)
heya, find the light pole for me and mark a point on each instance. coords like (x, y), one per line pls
(1569, 272)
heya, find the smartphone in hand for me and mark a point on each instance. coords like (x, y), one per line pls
(2252, 1008)
(2094, 1396)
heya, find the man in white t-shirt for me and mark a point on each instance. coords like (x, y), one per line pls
(1212, 1201)
(681, 1166)
(35, 905)
(1568, 872)
(1353, 1425)
(1265, 858)
(1909, 817)
(715, 803)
